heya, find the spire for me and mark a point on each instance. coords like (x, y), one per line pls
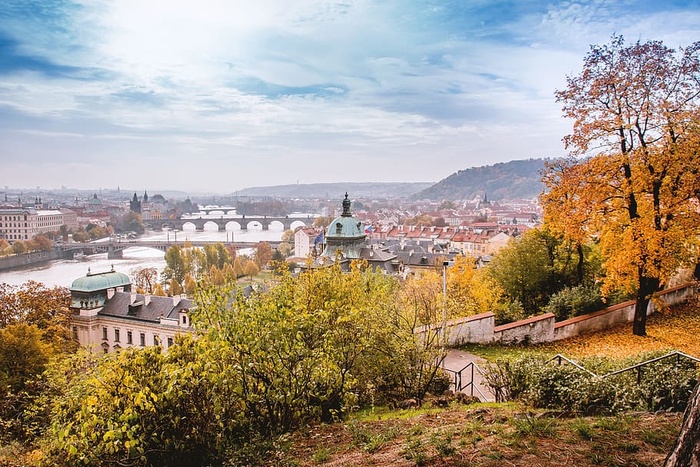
(346, 207)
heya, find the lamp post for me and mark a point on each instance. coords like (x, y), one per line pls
(445, 264)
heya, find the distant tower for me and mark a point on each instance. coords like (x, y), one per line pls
(145, 197)
(135, 204)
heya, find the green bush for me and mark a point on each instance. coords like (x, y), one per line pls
(663, 385)
(574, 301)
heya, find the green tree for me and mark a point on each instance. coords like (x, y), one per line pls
(145, 407)
(531, 268)
(635, 111)
(132, 222)
(176, 264)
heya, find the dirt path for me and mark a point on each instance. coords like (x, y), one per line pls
(460, 362)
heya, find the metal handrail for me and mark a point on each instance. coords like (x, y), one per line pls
(458, 380)
(559, 357)
(638, 366)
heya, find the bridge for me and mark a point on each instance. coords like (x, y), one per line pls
(115, 249)
(230, 223)
(227, 210)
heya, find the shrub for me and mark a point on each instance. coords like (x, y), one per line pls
(662, 385)
(574, 301)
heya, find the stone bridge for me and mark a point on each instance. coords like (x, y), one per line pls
(115, 249)
(223, 222)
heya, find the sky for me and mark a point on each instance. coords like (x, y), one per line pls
(214, 96)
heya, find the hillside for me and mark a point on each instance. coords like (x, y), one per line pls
(506, 180)
(338, 190)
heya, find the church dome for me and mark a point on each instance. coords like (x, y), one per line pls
(100, 281)
(345, 235)
(345, 226)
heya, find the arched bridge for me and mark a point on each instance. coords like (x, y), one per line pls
(115, 249)
(229, 223)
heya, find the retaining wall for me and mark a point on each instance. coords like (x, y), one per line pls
(481, 329)
(26, 259)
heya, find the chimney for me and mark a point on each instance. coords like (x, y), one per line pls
(146, 299)
(120, 289)
(176, 300)
(133, 298)
(110, 293)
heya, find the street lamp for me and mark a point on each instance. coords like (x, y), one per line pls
(445, 264)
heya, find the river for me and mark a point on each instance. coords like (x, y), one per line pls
(64, 272)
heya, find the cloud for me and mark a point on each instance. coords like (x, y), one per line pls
(266, 90)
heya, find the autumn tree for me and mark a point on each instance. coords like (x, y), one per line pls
(145, 278)
(19, 247)
(470, 291)
(263, 254)
(636, 124)
(322, 221)
(250, 269)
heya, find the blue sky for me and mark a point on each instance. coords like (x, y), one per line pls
(219, 95)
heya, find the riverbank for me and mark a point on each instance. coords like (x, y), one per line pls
(27, 259)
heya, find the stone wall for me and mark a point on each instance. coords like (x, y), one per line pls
(620, 313)
(481, 329)
(26, 259)
(534, 330)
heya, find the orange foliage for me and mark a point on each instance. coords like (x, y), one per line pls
(677, 328)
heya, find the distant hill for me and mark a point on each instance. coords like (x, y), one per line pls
(338, 190)
(506, 180)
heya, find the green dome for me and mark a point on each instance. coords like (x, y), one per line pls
(100, 281)
(345, 227)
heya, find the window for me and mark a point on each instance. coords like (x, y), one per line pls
(170, 342)
(116, 335)
(143, 339)
(104, 334)
(129, 337)
(184, 319)
(156, 340)
(75, 332)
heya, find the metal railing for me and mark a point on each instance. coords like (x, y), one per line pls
(471, 385)
(638, 367)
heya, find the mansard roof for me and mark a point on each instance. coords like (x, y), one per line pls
(121, 306)
(93, 282)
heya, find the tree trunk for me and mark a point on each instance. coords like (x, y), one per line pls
(647, 287)
(686, 452)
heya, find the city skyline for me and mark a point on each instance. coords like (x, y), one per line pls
(231, 95)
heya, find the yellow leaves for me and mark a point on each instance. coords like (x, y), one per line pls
(676, 329)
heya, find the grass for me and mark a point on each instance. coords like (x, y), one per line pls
(512, 434)
(493, 435)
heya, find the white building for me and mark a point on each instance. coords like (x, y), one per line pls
(25, 223)
(306, 240)
(108, 316)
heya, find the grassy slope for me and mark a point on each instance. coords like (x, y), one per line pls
(485, 435)
(510, 434)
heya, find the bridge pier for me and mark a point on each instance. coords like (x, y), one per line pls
(113, 253)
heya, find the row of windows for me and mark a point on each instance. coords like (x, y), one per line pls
(16, 237)
(14, 224)
(14, 218)
(130, 337)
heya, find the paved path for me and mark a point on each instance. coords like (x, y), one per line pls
(457, 360)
